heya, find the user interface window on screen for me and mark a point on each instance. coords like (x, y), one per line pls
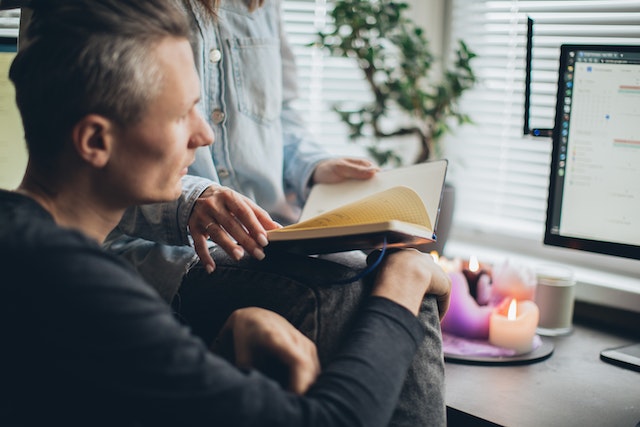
(600, 147)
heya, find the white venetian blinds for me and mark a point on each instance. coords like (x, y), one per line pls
(501, 175)
(323, 81)
(9, 22)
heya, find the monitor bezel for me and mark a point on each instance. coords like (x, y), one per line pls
(552, 239)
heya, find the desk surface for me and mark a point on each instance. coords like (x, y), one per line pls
(573, 387)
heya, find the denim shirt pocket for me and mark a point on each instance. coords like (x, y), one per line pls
(257, 76)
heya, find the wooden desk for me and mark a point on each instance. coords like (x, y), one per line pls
(573, 387)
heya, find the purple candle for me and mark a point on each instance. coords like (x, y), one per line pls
(465, 318)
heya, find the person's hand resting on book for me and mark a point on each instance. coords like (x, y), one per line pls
(233, 221)
(407, 275)
(341, 169)
(261, 339)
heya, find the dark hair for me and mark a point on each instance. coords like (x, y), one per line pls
(89, 56)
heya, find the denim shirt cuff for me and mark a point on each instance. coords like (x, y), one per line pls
(306, 175)
(192, 188)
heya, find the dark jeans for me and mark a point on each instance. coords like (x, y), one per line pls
(303, 290)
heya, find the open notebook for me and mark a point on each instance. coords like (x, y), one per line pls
(398, 207)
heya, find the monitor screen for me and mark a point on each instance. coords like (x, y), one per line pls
(594, 185)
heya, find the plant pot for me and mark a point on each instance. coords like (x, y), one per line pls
(444, 222)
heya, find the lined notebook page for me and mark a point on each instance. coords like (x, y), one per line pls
(397, 203)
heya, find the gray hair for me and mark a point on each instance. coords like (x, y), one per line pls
(89, 57)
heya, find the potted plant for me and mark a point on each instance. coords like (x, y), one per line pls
(396, 60)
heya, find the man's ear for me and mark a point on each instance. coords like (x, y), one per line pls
(92, 138)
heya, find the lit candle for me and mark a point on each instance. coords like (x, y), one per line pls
(465, 318)
(473, 271)
(513, 325)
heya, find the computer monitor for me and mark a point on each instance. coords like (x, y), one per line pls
(594, 184)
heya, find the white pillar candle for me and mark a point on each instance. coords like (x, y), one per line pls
(513, 325)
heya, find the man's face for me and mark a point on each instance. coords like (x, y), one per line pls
(152, 156)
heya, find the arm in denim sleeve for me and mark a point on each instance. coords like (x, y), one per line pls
(165, 222)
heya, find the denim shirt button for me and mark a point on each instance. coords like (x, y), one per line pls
(215, 55)
(217, 116)
(223, 173)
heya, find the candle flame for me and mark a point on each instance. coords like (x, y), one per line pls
(435, 256)
(513, 307)
(474, 265)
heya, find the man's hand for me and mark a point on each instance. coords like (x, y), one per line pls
(406, 275)
(337, 170)
(231, 220)
(258, 338)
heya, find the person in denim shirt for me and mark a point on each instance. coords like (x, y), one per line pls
(264, 152)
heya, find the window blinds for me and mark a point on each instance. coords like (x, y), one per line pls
(9, 22)
(323, 81)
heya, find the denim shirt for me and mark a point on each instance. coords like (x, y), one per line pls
(261, 148)
(248, 76)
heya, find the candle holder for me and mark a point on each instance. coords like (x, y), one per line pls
(480, 352)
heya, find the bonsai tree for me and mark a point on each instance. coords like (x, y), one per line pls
(394, 55)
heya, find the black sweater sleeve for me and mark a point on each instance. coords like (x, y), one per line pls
(363, 383)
